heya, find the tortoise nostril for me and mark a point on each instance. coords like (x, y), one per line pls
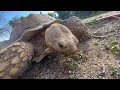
(61, 46)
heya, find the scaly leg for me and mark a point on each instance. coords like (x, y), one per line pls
(45, 53)
(14, 58)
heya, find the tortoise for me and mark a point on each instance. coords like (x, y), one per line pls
(36, 36)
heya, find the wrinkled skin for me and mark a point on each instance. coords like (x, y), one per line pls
(60, 39)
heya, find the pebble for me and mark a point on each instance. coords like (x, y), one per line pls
(69, 71)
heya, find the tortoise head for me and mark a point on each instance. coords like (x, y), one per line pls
(67, 45)
(61, 39)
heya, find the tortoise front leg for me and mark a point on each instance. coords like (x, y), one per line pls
(45, 53)
(14, 58)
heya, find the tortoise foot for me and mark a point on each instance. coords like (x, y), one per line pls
(14, 58)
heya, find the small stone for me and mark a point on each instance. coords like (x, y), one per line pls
(69, 71)
(23, 54)
(3, 66)
(73, 72)
(25, 58)
(14, 71)
(15, 60)
(2, 74)
(112, 47)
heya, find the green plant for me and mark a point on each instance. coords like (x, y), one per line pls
(76, 65)
(116, 71)
(71, 77)
(114, 50)
(30, 63)
(113, 47)
(113, 43)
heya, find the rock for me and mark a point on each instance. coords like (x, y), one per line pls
(69, 71)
